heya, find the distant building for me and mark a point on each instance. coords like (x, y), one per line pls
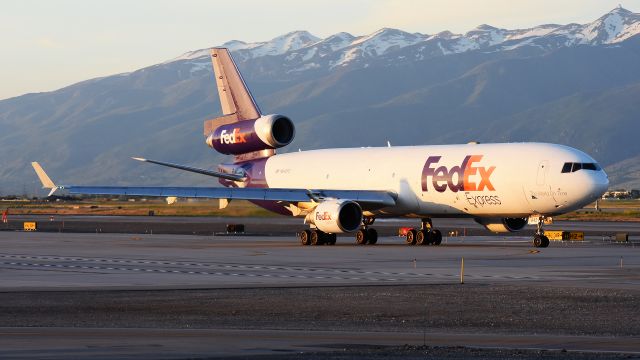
(622, 194)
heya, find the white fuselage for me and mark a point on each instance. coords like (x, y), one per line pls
(496, 180)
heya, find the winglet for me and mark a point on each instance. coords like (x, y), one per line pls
(44, 178)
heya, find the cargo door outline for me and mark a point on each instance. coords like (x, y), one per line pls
(539, 193)
(543, 168)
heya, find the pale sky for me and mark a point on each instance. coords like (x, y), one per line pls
(49, 44)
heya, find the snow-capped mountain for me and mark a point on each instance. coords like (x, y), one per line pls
(276, 46)
(614, 27)
(569, 84)
(303, 51)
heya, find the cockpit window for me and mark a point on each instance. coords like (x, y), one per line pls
(573, 167)
(576, 167)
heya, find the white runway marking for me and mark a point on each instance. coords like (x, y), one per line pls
(164, 271)
(384, 275)
(52, 260)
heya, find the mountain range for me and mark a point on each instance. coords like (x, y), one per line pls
(573, 84)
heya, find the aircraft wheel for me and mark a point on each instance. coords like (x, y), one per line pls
(436, 237)
(411, 237)
(545, 241)
(317, 237)
(540, 241)
(305, 237)
(361, 237)
(331, 239)
(537, 240)
(422, 237)
(372, 236)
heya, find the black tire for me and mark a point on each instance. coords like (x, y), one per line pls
(317, 237)
(545, 241)
(331, 239)
(436, 237)
(411, 237)
(538, 240)
(421, 237)
(361, 237)
(305, 236)
(372, 236)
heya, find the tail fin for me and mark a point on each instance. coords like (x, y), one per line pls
(236, 99)
(242, 130)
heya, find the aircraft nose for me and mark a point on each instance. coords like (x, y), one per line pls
(599, 183)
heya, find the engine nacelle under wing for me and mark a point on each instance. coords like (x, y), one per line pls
(336, 216)
(266, 132)
(502, 225)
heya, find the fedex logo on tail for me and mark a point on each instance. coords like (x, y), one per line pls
(468, 176)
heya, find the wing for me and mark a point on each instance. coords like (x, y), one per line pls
(368, 199)
(372, 198)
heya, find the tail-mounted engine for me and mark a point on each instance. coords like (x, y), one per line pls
(502, 225)
(266, 132)
(336, 216)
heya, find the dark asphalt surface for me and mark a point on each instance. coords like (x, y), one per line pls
(455, 322)
(469, 308)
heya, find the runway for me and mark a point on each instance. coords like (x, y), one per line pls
(106, 295)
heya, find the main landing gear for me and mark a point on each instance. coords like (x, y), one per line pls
(316, 237)
(427, 235)
(367, 235)
(539, 239)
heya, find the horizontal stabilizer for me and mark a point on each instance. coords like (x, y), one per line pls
(232, 177)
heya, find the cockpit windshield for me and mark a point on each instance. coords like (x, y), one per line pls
(573, 167)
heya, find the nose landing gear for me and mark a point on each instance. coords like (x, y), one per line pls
(539, 239)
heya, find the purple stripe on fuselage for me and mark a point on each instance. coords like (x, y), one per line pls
(256, 178)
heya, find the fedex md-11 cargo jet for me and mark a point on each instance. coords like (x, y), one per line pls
(501, 186)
